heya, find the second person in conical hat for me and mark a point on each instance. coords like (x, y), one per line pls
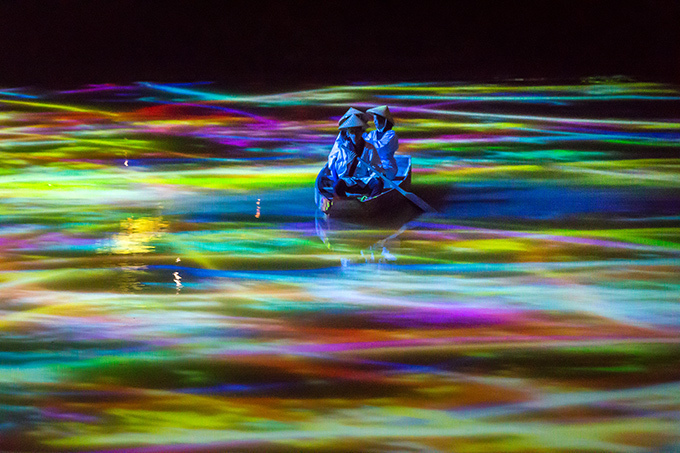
(384, 139)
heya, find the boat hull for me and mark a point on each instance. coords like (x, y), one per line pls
(384, 204)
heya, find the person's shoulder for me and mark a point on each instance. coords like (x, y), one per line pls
(392, 138)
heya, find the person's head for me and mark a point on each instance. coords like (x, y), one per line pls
(380, 122)
(382, 118)
(354, 128)
(355, 134)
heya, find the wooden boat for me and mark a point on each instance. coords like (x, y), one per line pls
(386, 202)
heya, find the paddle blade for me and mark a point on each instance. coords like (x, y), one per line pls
(413, 198)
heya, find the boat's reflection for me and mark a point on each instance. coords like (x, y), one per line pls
(365, 241)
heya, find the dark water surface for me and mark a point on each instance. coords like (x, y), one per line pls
(167, 284)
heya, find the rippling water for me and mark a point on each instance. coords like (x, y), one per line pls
(166, 283)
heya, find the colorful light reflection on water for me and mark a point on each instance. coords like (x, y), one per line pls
(167, 285)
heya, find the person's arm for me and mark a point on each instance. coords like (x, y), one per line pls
(388, 143)
(333, 155)
(369, 137)
(343, 159)
(374, 157)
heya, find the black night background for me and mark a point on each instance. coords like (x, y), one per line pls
(294, 43)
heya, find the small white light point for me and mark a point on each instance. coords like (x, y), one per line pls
(178, 281)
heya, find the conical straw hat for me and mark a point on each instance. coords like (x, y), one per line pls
(383, 111)
(353, 111)
(353, 121)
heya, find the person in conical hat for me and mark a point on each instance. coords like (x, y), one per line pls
(339, 139)
(348, 174)
(384, 139)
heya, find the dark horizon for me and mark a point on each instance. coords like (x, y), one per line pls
(72, 43)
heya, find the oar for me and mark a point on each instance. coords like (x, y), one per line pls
(413, 198)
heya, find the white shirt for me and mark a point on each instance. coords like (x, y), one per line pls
(386, 146)
(340, 159)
